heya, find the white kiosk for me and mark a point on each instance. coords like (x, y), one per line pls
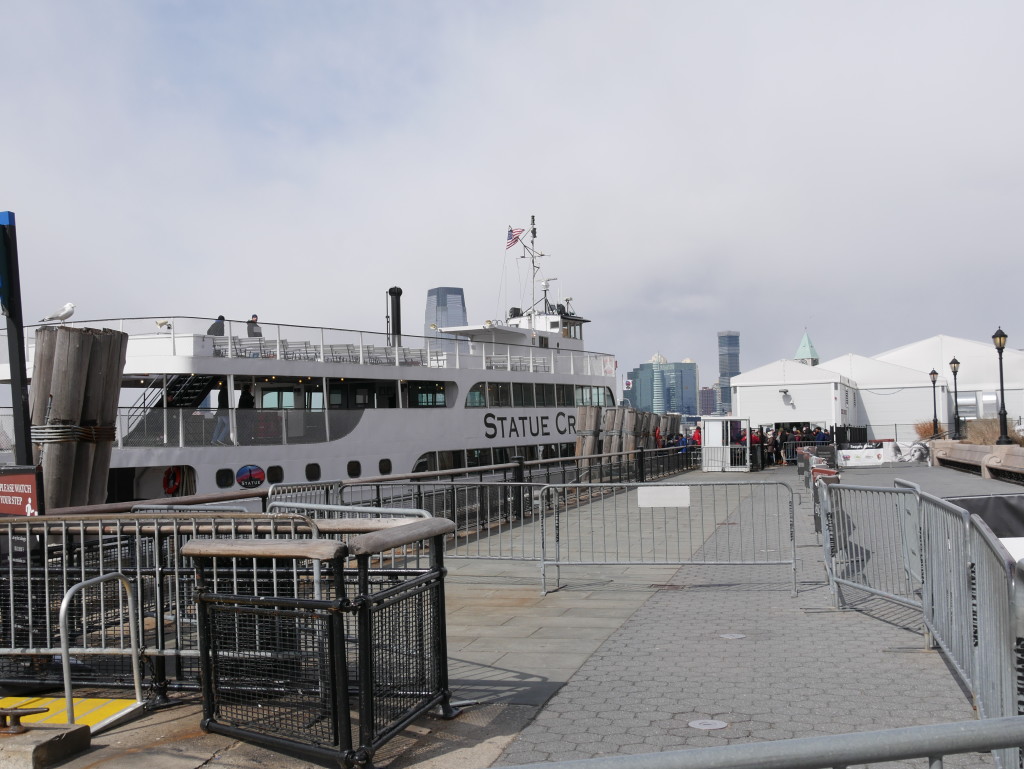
(722, 447)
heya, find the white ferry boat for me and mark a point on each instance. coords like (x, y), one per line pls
(334, 403)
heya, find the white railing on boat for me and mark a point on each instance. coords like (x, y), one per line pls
(187, 336)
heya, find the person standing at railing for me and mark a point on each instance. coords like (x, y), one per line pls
(217, 327)
(253, 326)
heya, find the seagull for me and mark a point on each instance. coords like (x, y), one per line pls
(62, 314)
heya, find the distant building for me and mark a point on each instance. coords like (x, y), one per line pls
(662, 387)
(446, 306)
(708, 400)
(728, 366)
(806, 353)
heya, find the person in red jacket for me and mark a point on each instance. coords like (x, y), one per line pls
(696, 436)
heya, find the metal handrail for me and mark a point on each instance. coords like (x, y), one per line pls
(65, 645)
(839, 750)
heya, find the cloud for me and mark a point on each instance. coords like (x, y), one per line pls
(851, 168)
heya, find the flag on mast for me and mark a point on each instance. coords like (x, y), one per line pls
(513, 237)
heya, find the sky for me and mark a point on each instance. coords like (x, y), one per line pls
(854, 170)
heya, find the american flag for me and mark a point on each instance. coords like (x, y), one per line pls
(513, 237)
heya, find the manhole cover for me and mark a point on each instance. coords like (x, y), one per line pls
(732, 636)
(708, 723)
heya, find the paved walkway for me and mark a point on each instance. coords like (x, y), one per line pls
(621, 660)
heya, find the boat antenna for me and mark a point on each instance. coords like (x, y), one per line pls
(530, 252)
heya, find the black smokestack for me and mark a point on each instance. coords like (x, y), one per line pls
(396, 313)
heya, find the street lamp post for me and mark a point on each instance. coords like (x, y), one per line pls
(934, 375)
(999, 340)
(954, 366)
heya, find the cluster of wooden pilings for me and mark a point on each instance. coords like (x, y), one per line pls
(76, 381)
(617, 429)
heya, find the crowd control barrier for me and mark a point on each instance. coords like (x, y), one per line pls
(43, 558)
(912, 548)
(697, 523)
(341, 665)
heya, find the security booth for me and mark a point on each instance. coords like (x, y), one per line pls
(725, 444)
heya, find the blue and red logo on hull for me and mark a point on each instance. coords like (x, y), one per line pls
(250, 476)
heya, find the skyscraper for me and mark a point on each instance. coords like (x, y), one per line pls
(662, 387)
(728, 365)
(446, 306)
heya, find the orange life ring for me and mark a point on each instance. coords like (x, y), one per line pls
(172, 480)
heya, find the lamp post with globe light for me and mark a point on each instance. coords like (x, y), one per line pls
(954, 366)
(999, 340)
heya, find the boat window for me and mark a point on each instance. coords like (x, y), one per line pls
(384, 466)
(568, 449)
(545, 394)
(477, 397)
(450, 460)
(354, 469)
(584, 395)
(313, 471)
(478, 457)
(225, 478)
(529, 453)
(426, 463)
(314, 399)
(565, 395)
(522, 394)
(542, 341)
(275, 474)
(277, 398)
(499, 394)
(501, 455)
(426, 394)
(609, 399)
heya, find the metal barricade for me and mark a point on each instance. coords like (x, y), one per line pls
(42, 558)
(292, 671)
(997, 629)
(744, 524)
(493, 520)
(870, 542)
(948, 595)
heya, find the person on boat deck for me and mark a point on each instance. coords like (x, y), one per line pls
(695, 438)
(253, 326)
(217, 327)
(245, 420)
(222, 431)
(245, 400)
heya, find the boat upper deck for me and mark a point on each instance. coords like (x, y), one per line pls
(182, 344)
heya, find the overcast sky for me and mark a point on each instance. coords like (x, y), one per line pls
(855, 169)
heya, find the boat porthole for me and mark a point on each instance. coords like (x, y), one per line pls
(275, 474)
(355, 469)
(225, 478)
(313, 471)
(384, 466)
